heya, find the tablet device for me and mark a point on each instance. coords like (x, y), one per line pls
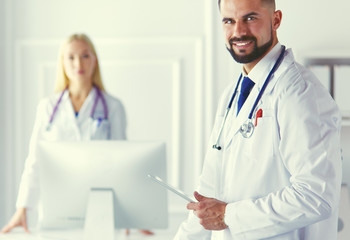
(171, 188)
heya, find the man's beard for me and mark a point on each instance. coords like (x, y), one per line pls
(257, 52)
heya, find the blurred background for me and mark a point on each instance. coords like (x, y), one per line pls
(165, 60)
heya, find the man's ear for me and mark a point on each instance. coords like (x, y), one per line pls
(277, 18)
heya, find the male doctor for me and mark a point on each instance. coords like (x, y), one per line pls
(280, 180)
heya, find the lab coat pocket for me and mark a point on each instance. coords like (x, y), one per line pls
(261, 144)
(99, 129)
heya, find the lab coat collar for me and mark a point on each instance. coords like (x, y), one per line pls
(67, 103)
(258, 74)
(85, 109)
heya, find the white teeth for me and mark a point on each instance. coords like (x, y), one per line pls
(242, 44)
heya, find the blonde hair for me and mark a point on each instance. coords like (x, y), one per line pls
(62, 81)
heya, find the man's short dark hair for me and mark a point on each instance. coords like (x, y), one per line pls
(272, 2)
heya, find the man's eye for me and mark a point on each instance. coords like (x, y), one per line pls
(250, 18)
(228, 22)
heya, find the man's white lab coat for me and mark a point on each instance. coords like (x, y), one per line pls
(284, 182)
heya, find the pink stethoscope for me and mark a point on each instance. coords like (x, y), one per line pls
(97, 97)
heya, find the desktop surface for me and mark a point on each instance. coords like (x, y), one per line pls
(175, 218)
(79, 235)
(177, 214)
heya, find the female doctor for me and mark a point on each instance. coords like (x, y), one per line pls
(80, 110)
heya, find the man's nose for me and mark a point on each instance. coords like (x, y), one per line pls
(239, 29)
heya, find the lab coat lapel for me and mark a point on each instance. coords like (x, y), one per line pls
(69, 110)
(259, 74)
(71, 114)
(85, 109)
(243, 114)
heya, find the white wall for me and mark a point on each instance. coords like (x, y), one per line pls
(315, 26)
(2, 109)
(179, 42)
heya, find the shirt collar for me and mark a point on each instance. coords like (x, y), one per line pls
(260, 71)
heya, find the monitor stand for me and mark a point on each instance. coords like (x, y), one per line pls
(99, 219)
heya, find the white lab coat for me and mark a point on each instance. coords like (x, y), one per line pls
(67, 127)
(284, 182)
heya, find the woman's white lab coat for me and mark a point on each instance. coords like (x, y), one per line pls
(66, 126)
(283, 182)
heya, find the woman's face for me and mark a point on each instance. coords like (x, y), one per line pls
(79, 62)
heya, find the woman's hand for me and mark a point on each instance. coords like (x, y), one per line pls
(144, 232)
(18, 219)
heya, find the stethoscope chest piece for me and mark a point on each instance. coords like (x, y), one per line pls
(247, 129)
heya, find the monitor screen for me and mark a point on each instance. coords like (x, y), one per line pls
(68, 170)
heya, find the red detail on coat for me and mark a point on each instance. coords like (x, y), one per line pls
(258, 114)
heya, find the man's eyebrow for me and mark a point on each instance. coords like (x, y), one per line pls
(244, 16)
(251, 14)
(227, 19)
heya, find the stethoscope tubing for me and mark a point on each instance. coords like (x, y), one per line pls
(104, 104)
(274, 68)
(56, 106)
(98, 96)
(278, 62)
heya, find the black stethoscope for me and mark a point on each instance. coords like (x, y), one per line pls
(97, 97)
(247, 128)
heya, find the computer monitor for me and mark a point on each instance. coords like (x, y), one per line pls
(68, 170)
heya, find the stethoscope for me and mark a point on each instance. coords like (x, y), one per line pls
(98, 96)
(247, 128)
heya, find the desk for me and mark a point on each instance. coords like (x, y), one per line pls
(175, 219)
(78, 235)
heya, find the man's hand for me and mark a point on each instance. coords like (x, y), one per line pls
(210, 211)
